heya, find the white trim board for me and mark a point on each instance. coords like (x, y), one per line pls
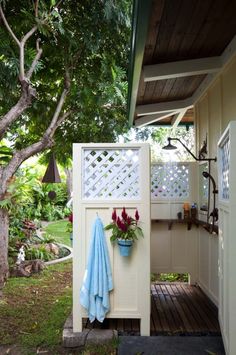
(182, 68)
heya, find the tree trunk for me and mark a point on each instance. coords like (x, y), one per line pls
(4, 226)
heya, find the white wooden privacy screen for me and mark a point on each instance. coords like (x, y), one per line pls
(106, 177)
(227, 237)
(170, 181)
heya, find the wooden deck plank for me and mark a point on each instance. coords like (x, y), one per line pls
(201, 308)
(166, 309)
(195, 310)
(206, 301)
(155, 317)
(187, 309)
(160, 310)
(187, 325)
(179, 325)
(175, 309)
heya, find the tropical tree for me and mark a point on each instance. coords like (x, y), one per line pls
(63, 79)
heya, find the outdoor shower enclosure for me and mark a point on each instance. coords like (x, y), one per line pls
(108, 176)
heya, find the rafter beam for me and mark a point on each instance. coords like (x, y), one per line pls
(226, 57)
(149, 119)
(182, 68)
(178, 117)
(163, 107)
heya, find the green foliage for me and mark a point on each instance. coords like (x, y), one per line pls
(5, 154)
(32, 253)
(59, 232)
(96, 51)
(47, 238)
(169, 277)
(27, 198)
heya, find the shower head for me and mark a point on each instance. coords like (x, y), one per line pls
(206, 174)
(169, 146)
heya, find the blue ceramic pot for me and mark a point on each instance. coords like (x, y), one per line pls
(125, 247)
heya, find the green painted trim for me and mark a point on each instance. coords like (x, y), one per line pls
(140, 22)
(165, 124)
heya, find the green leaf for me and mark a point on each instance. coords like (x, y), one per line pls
(109, 227)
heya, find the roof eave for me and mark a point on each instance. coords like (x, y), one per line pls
(140, 21)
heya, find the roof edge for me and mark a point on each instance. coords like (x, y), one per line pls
(140, 21)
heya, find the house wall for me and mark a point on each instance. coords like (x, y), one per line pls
(214, 110)
(174, 250)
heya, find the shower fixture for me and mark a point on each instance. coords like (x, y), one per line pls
(170, 146)
(214, 213)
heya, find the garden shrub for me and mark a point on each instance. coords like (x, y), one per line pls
(28, 200)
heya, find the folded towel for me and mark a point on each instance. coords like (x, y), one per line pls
(94, 293)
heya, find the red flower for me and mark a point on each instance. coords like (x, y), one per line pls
(118, 222)
(129, 220)
(70, 218)
(123, 227)
(114, 215)
(124, 214)
(136, 215)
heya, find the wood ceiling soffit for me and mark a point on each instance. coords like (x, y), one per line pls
(171, 37)
(183, 30)
(170, 90)
(153, 30)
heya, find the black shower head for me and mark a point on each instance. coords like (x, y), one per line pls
(206, 174)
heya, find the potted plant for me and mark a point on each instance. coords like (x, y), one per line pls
(125, 230)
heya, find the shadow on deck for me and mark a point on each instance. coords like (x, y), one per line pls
(176, 309)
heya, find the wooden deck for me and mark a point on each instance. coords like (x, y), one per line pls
(176, 309)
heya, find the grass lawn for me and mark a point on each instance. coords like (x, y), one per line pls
(33, 310)
(59, 231)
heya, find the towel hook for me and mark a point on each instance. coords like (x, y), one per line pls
(97, 214)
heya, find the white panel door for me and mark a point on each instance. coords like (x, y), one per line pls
(108, 176)
(227, 237)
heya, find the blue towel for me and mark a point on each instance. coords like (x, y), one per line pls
(94, 293)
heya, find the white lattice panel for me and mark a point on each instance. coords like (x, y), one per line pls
(111, 174)
(225, 157)
(169, 181)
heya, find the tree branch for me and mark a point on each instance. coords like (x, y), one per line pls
(22, 51)
(45, 142)
(8, 27)
(35, 61)
(23, 154)
(36, 8)
(28, 93)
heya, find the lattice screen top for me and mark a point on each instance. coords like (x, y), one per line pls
(110, 174)
(169, 181)
(225, 157)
